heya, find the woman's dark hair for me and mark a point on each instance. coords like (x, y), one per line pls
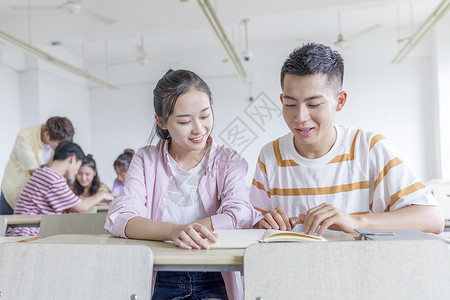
(167, 91)
(59, 128)
(314, 58)
(124, 160)
(95, 186)
(67, 149)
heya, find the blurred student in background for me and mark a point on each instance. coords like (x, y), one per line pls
(33, 147)
(47, 192)
(121, 165)
(87, 182)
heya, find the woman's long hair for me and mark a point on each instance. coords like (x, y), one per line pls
(95, 186)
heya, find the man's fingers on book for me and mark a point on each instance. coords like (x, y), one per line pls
(264, 225)
(294, 221)
(281, 221)
(271, 222)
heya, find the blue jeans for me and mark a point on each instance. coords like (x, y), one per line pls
(5, 209)
(189, 285)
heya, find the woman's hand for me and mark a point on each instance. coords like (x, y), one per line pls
(192, 235)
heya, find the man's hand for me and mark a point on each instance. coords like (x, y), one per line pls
(277, 219)
(327, 217)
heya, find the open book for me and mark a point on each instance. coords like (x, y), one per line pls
(241, 238)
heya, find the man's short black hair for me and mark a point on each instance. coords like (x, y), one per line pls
(314, 58)
(67, 149)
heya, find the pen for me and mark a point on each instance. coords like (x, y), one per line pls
(381, 233)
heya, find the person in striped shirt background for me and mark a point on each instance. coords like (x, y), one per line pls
(329, 176)
(47, 191)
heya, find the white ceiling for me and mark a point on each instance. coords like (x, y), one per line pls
(173, 26)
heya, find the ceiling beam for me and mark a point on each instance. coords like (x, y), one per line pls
(204, 6)
(42, 55)
(429, 22)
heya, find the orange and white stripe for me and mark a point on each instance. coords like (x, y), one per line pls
(359, 174)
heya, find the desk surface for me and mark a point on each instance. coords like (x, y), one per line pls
(27, 220)
(168, 257)
(23, 219)
(102, 207)
(9, 239)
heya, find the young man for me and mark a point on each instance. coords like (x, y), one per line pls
(47, 191)
(34, 146)
(329, 176)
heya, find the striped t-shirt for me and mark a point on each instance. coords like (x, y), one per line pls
(360, 174)
(46, 193)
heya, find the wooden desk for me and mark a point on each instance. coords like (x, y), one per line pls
(102, 207)
(168, 257)
(12, 239)
(23, 220)
(35, 220)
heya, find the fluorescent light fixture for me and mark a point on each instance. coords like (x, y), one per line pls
(207, 11)
(435, 16)
(38, 53)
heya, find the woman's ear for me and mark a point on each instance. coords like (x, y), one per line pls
(160, 122)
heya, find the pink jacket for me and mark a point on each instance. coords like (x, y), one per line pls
(222, 190)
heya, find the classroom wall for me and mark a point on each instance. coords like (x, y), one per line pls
(441, 67)
(391, 99)
(9, 105)
(31, 91)
(386, 98)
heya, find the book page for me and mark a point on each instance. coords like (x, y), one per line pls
(242, 238)
(237, 238)
(272, 235)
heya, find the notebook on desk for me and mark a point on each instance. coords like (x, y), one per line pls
(396, 235)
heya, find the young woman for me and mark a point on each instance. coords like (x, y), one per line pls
(121, 165)
(184, 187)
(87, 182)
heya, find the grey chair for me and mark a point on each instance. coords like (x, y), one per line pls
(3, 225)
(73, 224)
(75, 271)
(348, 270)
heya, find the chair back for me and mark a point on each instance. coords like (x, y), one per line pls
(73, 224)
(348, 270)
(3, 225)
(75, 271)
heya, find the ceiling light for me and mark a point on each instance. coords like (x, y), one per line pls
(207, 11)
(435, 16)
(36, 52)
